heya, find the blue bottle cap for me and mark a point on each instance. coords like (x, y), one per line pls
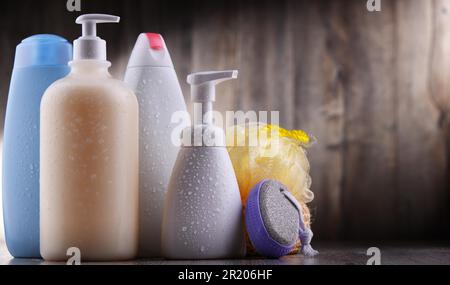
(43, 50)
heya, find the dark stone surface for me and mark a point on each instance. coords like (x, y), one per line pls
(392, 253)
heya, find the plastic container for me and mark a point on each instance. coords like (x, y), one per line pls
(150, 73)
(89, 158)
(203, 209)
(40, 60)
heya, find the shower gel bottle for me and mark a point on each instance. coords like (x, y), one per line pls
(150, 73)
(40, 60)
(89, 157)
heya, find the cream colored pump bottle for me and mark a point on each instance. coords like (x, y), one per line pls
(89, 158)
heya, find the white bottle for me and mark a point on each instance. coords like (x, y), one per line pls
(89, 158)
(150, 73)
(203, 209)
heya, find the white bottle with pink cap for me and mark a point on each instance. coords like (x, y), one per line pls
(150, 73)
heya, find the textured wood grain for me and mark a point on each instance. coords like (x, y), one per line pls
(422, 150)
(372, 87)
(366, 61)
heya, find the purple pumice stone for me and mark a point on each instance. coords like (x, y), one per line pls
(272, 220)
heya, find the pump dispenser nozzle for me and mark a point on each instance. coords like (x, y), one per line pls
(89, 46)
(203, 90)
(203, 84)
(203, 93)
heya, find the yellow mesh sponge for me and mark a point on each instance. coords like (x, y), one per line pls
(259, 151)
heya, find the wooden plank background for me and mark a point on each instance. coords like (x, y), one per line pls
(372, 87)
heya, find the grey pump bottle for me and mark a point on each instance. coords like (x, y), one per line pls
(203, 209)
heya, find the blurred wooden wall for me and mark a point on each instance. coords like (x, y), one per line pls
(374, 88)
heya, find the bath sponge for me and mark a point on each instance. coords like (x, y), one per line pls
(259, 151)
(275, 221)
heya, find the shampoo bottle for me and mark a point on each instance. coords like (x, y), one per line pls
(40, 60)
(203, 209)
(89, 157)
(151, 75)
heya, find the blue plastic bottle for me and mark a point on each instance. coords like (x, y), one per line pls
(40, 60)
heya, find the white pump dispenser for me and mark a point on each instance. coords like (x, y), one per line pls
(203, 90)
(89, 46)
(203, 209)
(203, 94)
